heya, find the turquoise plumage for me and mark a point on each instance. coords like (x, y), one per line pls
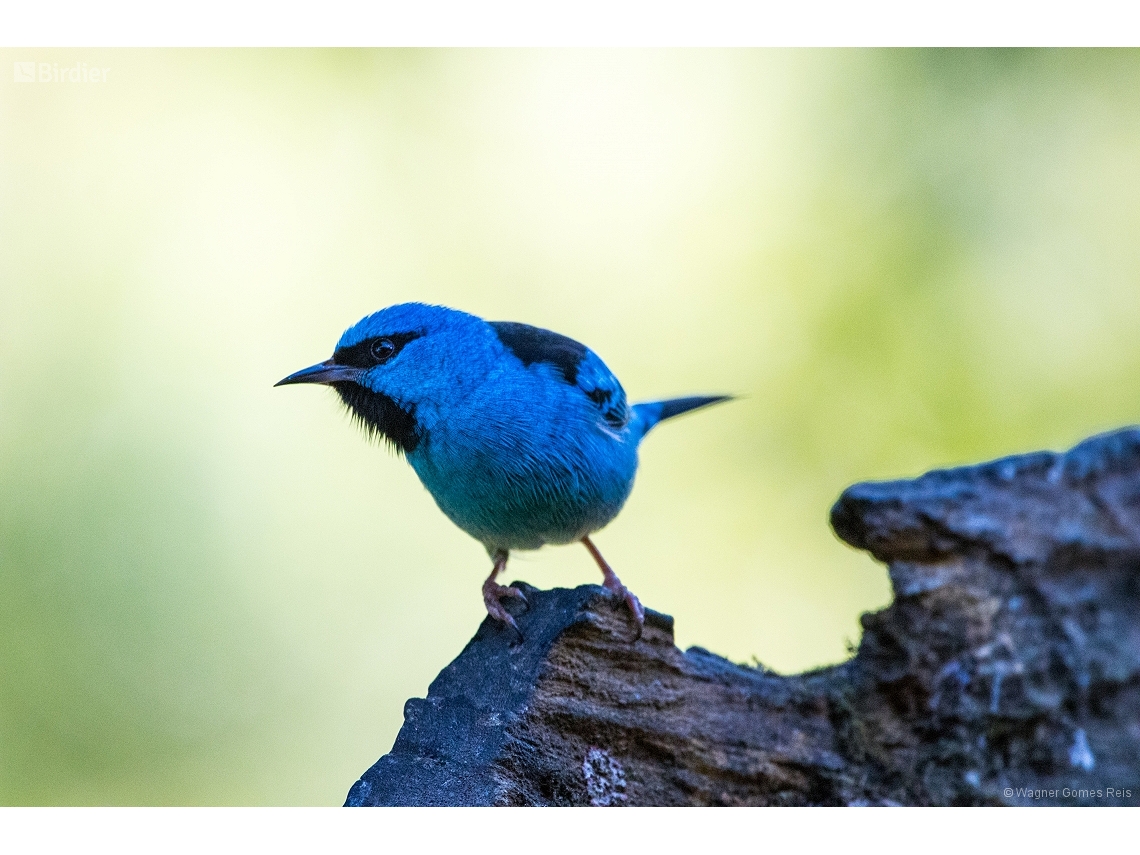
(522, 436)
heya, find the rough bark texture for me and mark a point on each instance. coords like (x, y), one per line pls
(1006, 671)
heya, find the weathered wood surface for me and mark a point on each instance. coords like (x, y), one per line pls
(1006, 671)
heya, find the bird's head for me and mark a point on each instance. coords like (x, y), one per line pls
(397, 369)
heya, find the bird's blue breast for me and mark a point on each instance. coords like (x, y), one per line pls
(530, 456)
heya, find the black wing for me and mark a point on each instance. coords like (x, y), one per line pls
(578, 365)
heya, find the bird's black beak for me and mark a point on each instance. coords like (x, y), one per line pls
(325, 372)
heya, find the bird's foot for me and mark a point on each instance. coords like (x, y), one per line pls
(614, 586)
(492, 594)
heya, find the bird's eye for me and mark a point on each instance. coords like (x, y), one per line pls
(382, 350)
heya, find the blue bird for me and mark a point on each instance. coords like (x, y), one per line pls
(522, 436)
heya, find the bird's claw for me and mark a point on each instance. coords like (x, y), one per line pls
(492, 594)
(621, 592)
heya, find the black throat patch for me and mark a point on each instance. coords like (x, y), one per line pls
(534, 344)
(380, 415)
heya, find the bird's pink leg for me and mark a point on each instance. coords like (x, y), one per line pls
(493, 592)
(613, 584)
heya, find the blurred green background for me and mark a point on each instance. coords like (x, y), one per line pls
(213, 591)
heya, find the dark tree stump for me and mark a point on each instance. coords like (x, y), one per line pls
(1006, 671)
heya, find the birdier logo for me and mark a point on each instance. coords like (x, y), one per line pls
(53, 72)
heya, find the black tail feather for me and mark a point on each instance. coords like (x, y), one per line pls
(682, 405)
(657, 411)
